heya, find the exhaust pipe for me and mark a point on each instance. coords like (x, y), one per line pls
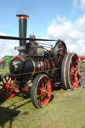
(22, 32)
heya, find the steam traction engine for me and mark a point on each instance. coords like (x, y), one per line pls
(39, 65)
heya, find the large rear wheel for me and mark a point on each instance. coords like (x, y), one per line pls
(41, 91)
(63, 71)
(72, 76)
(69, 71)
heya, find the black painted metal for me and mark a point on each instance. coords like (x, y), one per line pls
(22, 38)
(22, 31)
(17, 66)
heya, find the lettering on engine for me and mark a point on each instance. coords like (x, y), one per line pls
(16, 62)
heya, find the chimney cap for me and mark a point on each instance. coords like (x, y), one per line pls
(22, 16)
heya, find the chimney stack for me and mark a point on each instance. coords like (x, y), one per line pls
(22, 32)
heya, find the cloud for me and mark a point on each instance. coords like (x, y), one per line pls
(79, 4)
(73, 34)
(7, 47)
(80, 23)
(59, 19)
(75, 3)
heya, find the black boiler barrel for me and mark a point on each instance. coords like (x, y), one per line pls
(19, 65)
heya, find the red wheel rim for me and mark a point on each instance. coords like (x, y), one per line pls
(74, 78)
(43, 91)
(6, 92)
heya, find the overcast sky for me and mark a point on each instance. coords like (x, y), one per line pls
(54, 19)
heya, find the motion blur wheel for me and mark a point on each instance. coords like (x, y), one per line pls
(59, 52)
(41, 91)
(72, 76)
(6, 86)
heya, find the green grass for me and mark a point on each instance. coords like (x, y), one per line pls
(3, 70)
(65, 110)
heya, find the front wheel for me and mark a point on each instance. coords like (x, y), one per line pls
(41, 91)
(7, 91)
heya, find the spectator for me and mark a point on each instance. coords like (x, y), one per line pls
(81, 66)
(2, 63)
(81, 70)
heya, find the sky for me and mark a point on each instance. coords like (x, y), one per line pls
(52, 19)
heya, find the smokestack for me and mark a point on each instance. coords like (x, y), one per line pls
(22, 31)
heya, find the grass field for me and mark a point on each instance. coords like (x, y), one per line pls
(3, 70)
(65, 110)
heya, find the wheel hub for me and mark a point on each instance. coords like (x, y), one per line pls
(7, 86)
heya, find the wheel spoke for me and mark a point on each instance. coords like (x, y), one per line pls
(47, 95)
(10, 80)
(6, 92)
(3, 81)
(59, 58)
(74, 72)
(45, 86)
(43, 97)
(38, 96)
(1, 85)
(75, 63)
(69, 71)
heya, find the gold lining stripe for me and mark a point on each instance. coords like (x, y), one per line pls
(34, 68)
